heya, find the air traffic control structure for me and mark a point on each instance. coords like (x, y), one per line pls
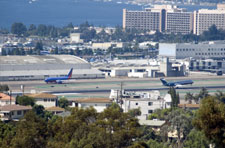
(14, 68)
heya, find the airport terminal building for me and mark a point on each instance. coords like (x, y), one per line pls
(204, 50)
(40, 67)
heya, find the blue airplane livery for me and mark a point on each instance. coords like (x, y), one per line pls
(59, 80)
(176, 84)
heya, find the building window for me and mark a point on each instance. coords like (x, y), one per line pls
(150, 111)
(136, 103)
(12, 113)
(19, 112)
(150, 103)
(52, 100)
(45, 100)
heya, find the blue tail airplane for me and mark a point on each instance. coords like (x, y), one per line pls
(58, 80)
(176, 84)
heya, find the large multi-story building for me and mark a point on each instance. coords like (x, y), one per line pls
(162, 17)
(204, 50)
(169, 18)
(203, 19)
(179, 22)
(147, 20)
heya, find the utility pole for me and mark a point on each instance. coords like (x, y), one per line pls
(10, 95)
(22, 89)
(121, 93)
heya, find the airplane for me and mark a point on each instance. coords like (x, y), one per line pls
(58, 80)
(177, 84)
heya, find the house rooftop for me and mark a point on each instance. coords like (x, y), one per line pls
(93, 100)
(55, 108)
(43, 95)
(6, 97)
(14, 107)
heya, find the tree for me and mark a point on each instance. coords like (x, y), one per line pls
(210, 119)
(42, 30)
(179, 121)
(56, 50)
(175, 97)
(38, 47)
(160, 114)
(202, 94)
(18, 28)
(189, 97)
(30, 132)
(196, 139)
(155, 144)
(32, 27)
(4, 88)
(39, 110)
(7, 132)
(70, 25)
(25, 100)
(4, 52)
(63, 102)
(134, 112)
(220, 96)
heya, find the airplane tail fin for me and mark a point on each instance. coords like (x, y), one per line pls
(163, 81)
(70, 73)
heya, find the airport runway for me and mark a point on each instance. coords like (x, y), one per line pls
(102, 87)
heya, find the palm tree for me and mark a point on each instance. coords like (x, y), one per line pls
(189, 97)
(220, 96)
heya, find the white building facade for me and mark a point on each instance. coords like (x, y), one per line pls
(147, 102)
(198, 51)
(99, 104)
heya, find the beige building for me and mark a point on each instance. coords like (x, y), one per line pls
(75, 38)
(106, 45)
(179, 22)
(169, 18)
(203, 19)
(162, 17)
(13, 112)
(146, 20)
(45, 99)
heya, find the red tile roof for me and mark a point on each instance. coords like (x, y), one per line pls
(6, 97)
